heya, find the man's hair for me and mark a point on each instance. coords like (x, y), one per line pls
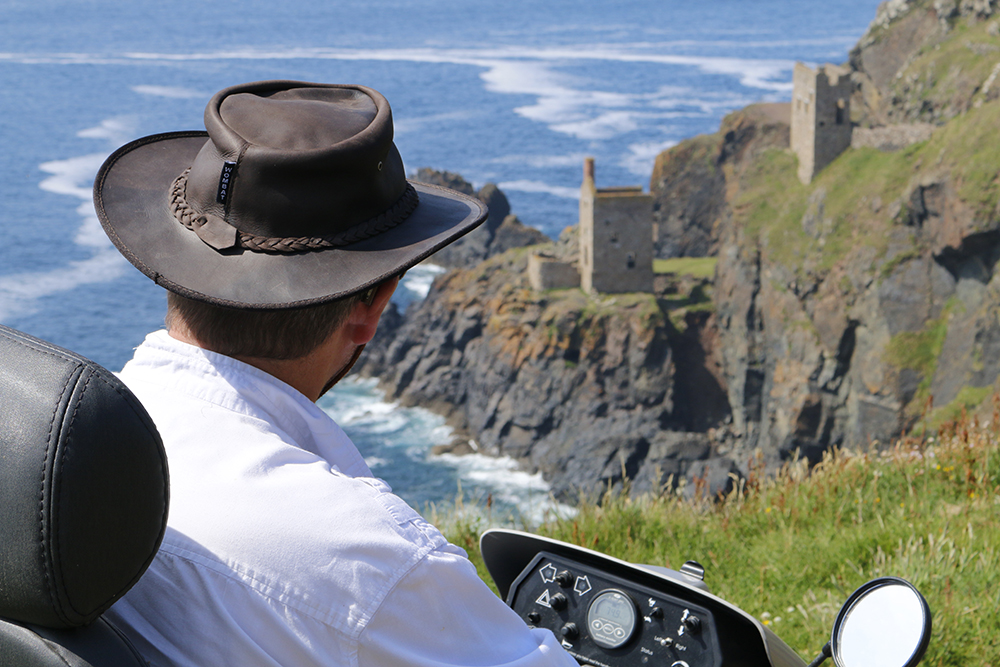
(267, 334)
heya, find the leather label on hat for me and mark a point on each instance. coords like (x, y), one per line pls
(225, 181)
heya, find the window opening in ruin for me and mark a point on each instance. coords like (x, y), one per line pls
(840, 112)
(630, 260)
(614, 237)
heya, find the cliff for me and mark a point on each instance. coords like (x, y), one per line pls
(850, 307)
(842, 312)
(584, 389)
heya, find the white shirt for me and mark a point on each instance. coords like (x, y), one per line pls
(282, 549)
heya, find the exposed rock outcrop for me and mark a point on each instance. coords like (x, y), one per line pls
(689, 181)
(926, 60)
(585, 389)
(492, 237)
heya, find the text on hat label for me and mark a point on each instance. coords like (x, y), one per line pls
(225, 181)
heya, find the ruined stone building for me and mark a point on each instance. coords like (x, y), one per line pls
(616, 237)
(616, 243)
(821, 116)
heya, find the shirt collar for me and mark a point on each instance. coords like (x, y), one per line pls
(242, 388)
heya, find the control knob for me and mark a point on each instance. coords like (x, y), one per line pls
(570, 631)
(693, 624)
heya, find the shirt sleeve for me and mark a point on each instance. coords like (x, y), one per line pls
(442, 614)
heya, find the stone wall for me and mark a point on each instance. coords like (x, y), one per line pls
(545, 273)
(821, 116)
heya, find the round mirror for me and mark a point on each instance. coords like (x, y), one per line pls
(885, 623)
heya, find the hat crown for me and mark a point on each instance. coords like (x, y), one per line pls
(293, 160)
(299, 119)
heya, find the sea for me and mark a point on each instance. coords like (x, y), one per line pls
(517, 92)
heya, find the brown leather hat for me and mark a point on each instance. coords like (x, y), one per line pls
(295, 196)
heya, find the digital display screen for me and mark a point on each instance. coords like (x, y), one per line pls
(612, 609)
(611, 619)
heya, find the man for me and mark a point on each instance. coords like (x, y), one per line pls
(280, 235)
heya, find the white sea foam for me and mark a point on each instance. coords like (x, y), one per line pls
(538, 186)
(418, 123)
(509, 485)
(542, 161)
(361, 409)
(573, 105)
(173, 92)
(419, 278)
(72, 176)
(375, 462)
(641, 156)
(115, 130)
(20, 292)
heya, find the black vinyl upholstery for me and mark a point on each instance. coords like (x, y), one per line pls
(83, 504)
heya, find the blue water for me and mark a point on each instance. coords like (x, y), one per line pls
(514, 92)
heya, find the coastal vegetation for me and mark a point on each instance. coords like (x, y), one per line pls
(789, 549)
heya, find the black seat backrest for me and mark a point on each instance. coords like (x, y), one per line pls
(83, 504)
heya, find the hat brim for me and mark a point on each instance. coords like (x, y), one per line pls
(131, 197)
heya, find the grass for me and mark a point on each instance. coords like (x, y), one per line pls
(952, 70)
(791, 548)
(697, 267)
(860, 187)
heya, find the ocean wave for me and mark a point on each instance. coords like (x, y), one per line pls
(418, 280)
(538, 186)
(384, 429)
(499, 479)
(172, 92)
(19, 292)
(115, 130)
(641, 156)
(542, 161)
(568, 104)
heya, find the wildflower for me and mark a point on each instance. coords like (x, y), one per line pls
(767, 511)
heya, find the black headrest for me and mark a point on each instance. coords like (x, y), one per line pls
(83, 485)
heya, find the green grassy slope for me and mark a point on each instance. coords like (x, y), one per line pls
(791, 549)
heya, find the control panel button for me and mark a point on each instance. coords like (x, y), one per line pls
(570, 631)
(656, 612)
(558, 601)
(693, 624)
(564, 579)
(534, 617)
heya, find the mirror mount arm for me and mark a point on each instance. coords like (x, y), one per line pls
(823, 655)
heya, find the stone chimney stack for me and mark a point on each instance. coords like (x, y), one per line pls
(588, 169)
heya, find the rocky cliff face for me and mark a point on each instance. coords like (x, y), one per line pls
(689, 181)
(926, 60)
(587, 390)
(848, 306)
(843, 312)
(499, 233)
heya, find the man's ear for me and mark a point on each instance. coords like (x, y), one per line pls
(363, 320)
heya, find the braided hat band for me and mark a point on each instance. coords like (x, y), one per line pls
(219, 234)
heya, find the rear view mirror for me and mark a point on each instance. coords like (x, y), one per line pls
(885, 623)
